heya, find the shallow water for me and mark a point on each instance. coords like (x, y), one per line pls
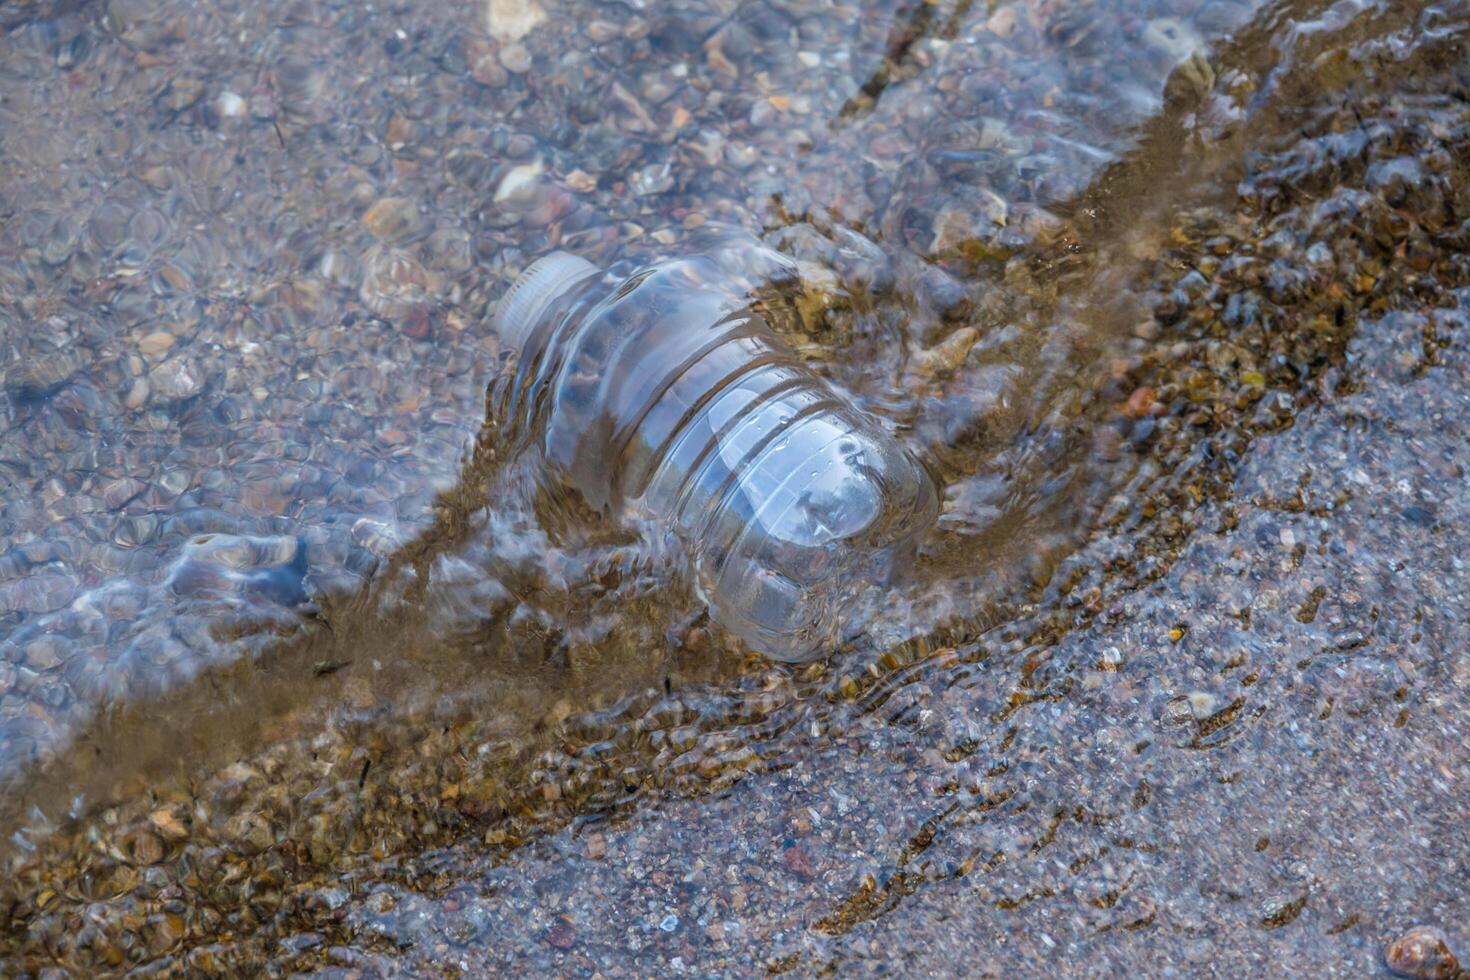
(302, 666)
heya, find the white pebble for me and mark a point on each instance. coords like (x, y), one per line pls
(230, 104)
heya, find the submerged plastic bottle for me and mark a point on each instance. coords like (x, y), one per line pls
(667, 396)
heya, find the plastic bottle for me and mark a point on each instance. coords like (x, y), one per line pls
(667, 396)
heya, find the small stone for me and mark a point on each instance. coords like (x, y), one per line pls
(519, 184)
(230, 105)
(1147, 330)
(515, 58)
(967, 227)
(250, 832)
(1422, 953)
(947, 355)
(393, 220)
(182, 93)
(171, 928)
(741, 156)
(1141, 404)
(176, 379)
(156, 344)
(943, 294)
(137, 395)
(397, 286)
(652, 179)
(118, 493)
(145, 848)
(61, 242)
(1202, 704)
(581, 181)
(41, 374)
(596, 847)
(1002, 22)
(511, 20)
(562, 934)
(796, 860)
(45, 653)
(669, 923)
(487, 71)
(398, 133)
(167, 824)
(135, 531)
(1178, 711)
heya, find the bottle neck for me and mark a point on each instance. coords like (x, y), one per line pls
(533, 293)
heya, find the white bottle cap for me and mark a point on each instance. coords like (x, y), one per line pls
(529, 296)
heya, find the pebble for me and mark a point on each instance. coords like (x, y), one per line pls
(562, 934)
(652, 179)
(393, 220)
(166, 822)
(1422, 953)
(156, 344)
(40, 375)
(61, 242)
(1202, 704)
(511, 20)
(45, 653)
(519, 184)
(145, 848)
(1141, 404)
(176, 379)
(230, 105)
(796, 860)
(946, 356)
(515, 58)
(183, 93)
(487, 71)
(581, 181)
(119, 492)
(1003, 21)
(137, 395)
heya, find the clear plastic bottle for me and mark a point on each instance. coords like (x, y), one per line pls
(667, 396)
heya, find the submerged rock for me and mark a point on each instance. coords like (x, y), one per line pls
(511, 20)
(1422, 953)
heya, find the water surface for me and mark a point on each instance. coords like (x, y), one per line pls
(302, 666)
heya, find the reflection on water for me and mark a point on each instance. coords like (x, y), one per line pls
(300, 663)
